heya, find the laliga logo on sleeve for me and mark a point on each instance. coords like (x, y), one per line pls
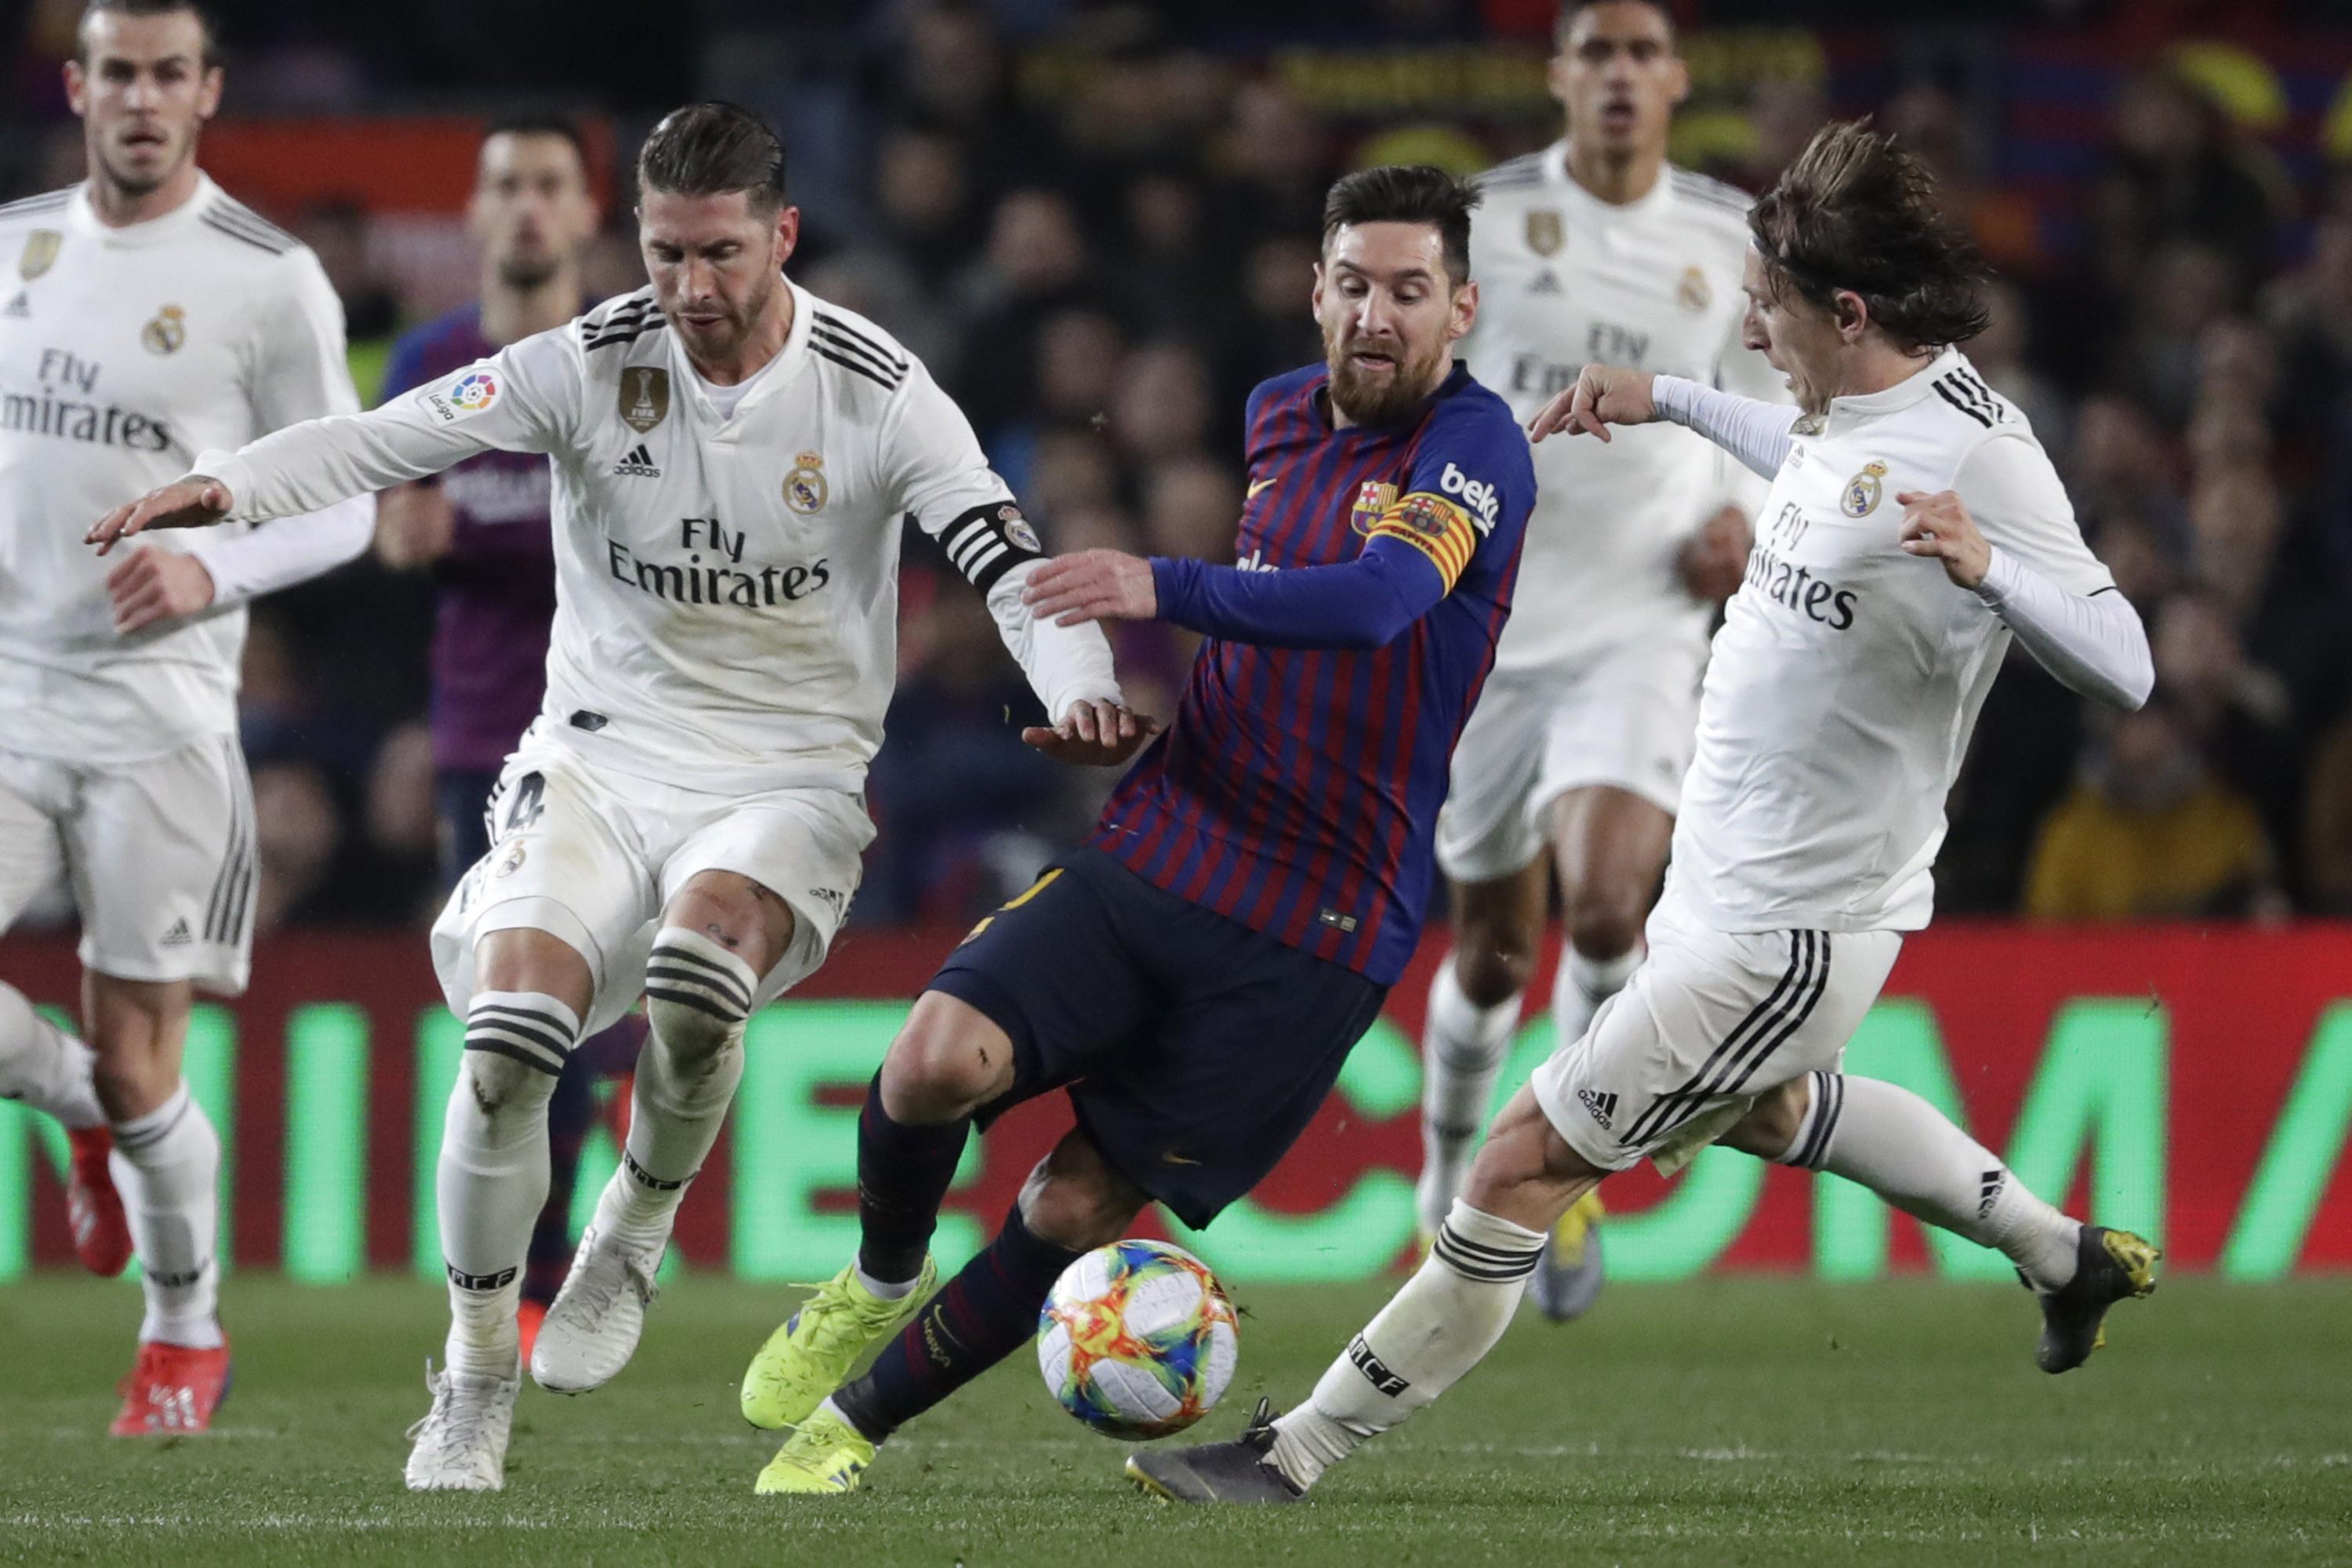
(1476, 494)
(474, 393)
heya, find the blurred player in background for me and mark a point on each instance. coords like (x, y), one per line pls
(1198, 971)
(482, 528)
(734, 460)
(1914, 527)
(151, 317)
(1593, 251)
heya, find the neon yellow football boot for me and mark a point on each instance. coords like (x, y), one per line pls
(825, 1457)
(1565, 1283)
(813, 1353)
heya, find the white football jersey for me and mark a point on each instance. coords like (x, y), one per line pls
(123, 353)
(1848, 675)
(1566, 280)
(727, 583)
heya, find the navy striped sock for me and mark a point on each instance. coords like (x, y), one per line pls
(980, 1317)
(903, 1176)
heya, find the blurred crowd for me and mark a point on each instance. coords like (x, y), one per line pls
(1099, 271)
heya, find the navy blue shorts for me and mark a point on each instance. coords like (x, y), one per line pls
(1195, 1050)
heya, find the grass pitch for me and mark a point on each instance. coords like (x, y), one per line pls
(1737, 1421)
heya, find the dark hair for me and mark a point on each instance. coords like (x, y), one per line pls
(205, 23)
(542, 125)
(1570, 9)
(1856, 212)
(706, 149)
(1407, 192)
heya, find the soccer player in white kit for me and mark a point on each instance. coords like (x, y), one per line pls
(150, 315)
(1914, 527)
(1594, 250)
(733, 459)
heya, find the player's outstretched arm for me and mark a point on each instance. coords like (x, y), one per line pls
(2094, 643)
(196, 501)
(1366, 602)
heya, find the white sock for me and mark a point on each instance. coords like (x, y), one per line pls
(1431, 1333)
(166, 1165)
(1580, 984)
(44, 1066)
(886, 1289)
(675, 1115)
(1908, 1153)
(493, 1176)
(1462, 1049)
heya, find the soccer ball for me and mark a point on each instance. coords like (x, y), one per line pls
(1138, 1339)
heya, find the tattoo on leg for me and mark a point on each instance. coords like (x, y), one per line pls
(718, 935)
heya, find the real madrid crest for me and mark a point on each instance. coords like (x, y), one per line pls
(39, 254)
(166, 332)
(804, 487)
(1862, 490)
(1692, 293)
(1546, 232)
(645, 396)
(1016, 529)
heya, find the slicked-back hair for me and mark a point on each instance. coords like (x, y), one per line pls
(708, 149)
(543, 125)
(1857, 212)
(1407, 192)
(205, 22)
(1570, 9)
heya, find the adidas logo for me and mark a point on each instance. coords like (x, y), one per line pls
(638, 464)
(20, 305)
(179, 935)
(1546, 283)
(1989, 1193)
(1602, 1106)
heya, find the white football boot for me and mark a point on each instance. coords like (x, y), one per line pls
(461, 1444)
(592, 1329)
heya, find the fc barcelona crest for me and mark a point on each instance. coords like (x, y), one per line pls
(804, 487)
(40, 253)
(645, 396)
(1372, 499)
(1862, 490)
(1546, 232)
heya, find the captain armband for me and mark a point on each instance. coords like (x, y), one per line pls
(987, 541)
(1438, 528)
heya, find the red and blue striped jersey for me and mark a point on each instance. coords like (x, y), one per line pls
(1297, 789)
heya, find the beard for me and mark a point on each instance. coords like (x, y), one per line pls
(131, 184)
(1370, 399)
(523, 274)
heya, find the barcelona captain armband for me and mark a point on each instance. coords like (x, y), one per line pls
(1438, 528)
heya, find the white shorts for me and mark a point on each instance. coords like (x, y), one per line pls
(593, 858)
(1628, 719)
(158, 853)
(1709, 1021)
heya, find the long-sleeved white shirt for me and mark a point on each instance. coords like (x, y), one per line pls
(1847, 677)
(726, 582)
(123, 353)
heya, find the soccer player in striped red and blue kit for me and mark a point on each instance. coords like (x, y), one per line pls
(1197, 972)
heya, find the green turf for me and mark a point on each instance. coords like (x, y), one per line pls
(1725, 1422)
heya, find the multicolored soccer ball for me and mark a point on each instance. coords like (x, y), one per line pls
(1138, 1339)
